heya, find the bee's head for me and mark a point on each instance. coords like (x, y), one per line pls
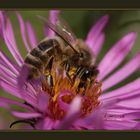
(83, 57)
(89, 73)
(84, 53)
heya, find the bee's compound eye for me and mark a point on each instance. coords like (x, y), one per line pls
(87, 72)
(85, 75)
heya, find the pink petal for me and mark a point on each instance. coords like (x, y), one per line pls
(122, 73)
(7, 71)
(74, 106)
(4, 105)
(120, 110)
(116, 115)
(7, 74)
(72, 115)
(116, 55)
(96, 118)
(15, 92)
(31, 35)
(10, 35)
(133, 115)
(62, 104)
(8, 88)
(3, 18)
(120, 125)
(10, 80)
(114, 118)
(53, 15)
(45, 124)
(95, 34)
(23, 33)
(131, 100)
(26, 115)
(107, 117)
(31, 89)
(43, 100)
(7, 62)
(22, 76)
(7, 101)
(120, 122)
(98, 44)
(10, 42)
(48, 124)
(126, 103)
(128, 88)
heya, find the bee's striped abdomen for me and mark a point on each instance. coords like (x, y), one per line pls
(31, 60)
(38, 58)
(41, 53)
(47, 45)
(37, 53)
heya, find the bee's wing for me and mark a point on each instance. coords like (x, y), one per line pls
(62, 29)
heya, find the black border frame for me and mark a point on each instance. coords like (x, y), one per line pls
(55, 4)
(69, 4)
(71, 135)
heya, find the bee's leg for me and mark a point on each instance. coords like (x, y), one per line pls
(50, 64)
(50, 81)
(67, 68)
(79, 73)
(48, 74)
(82, 85)
(31, 122)
(26, 103)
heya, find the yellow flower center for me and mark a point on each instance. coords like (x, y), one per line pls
(89, 94)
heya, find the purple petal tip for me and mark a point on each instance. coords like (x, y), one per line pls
(132, 35)
(105, 18)
(54, 14)
(54, 11)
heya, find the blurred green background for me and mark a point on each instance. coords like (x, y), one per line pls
(120, 23)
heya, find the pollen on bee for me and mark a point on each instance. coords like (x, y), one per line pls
(89, 95)
(72, 72)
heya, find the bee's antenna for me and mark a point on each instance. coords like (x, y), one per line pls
(52, 27)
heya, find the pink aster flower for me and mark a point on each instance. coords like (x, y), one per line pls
(97, 109)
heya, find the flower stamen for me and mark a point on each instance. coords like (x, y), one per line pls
(89, 94)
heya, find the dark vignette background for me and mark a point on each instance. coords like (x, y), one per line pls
(121, 22)
(70, 4)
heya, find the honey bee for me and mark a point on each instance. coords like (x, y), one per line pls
(66, 52)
